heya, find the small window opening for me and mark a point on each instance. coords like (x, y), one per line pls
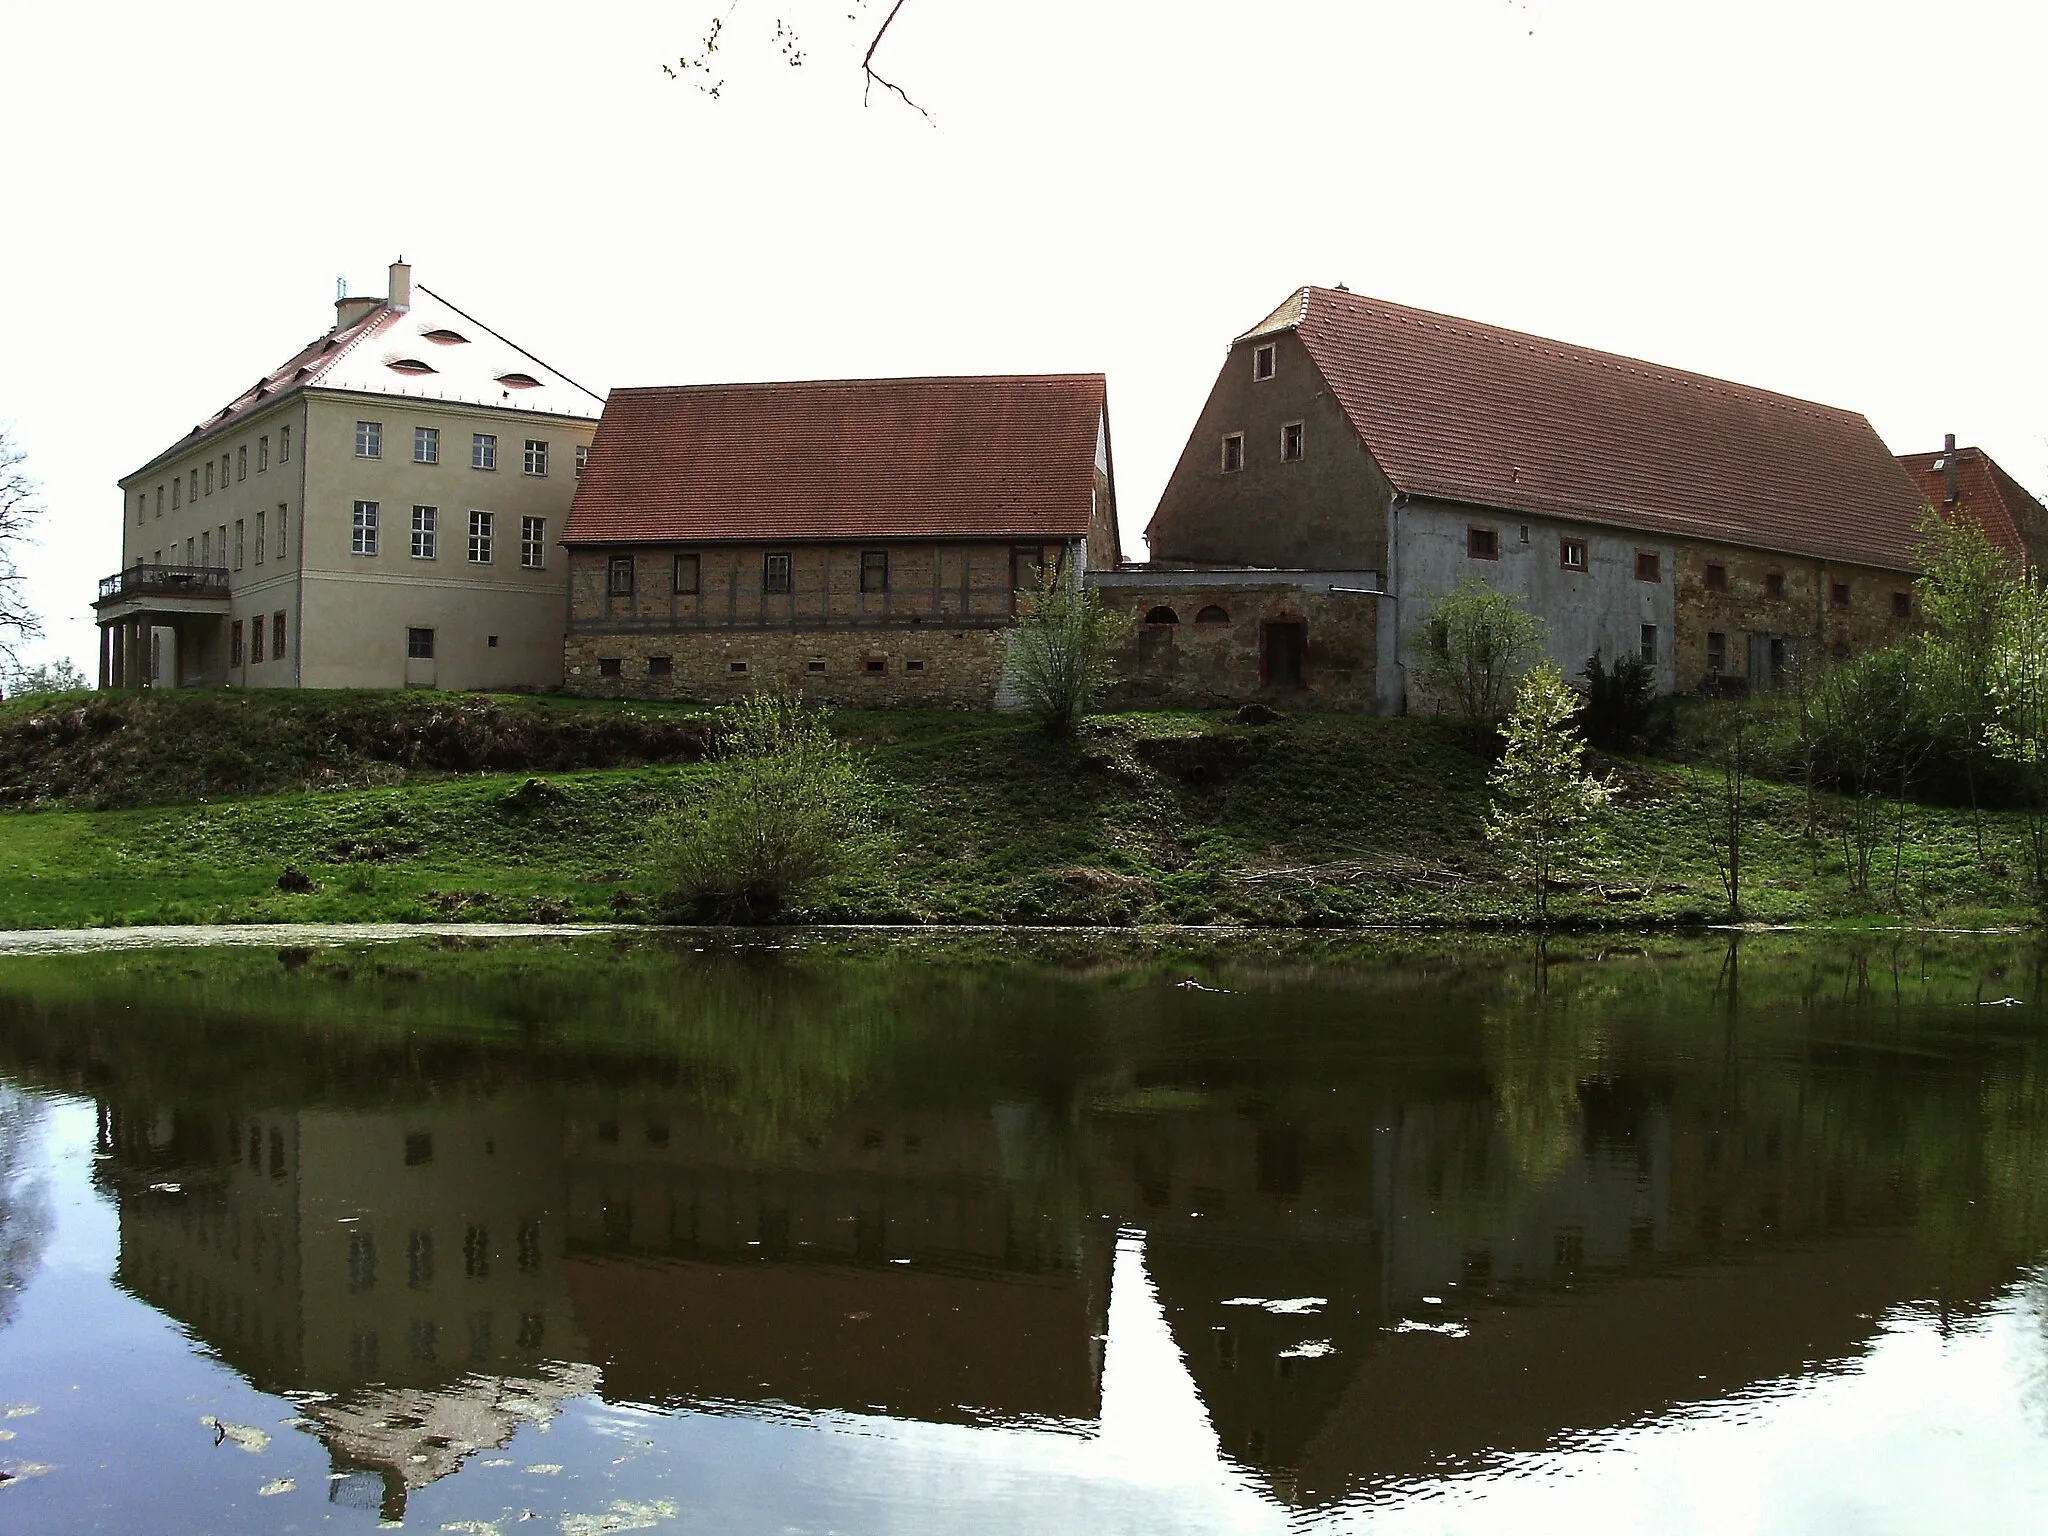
(814, 666)
(1482, 544)
(775, 573)
(1233, 453)
(1290, 442)
(1840, 594)
(1212, 614)
(1717, 652)
(607, 666)
(1902, 605)
(1717, 578)
(1162, 615)
(1571, 554)
(1774, 583)
(1649, 565)
(913, 666)
(491, 642)
(660, 666)
(1263, 361)
(619, 576)
(1649, 644)
(446, 338)
(874, 570)
(875, 664)
(736, 666)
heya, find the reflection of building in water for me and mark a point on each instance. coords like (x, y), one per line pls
(405, 1265)
(1365, 1292)
(930, 1265)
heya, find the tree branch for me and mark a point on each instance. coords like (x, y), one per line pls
(867, 67)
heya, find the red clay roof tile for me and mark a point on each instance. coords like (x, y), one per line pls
(2016, 522)
(1472, 413)
(980, 457)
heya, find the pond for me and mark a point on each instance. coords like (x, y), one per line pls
(1025, 1233)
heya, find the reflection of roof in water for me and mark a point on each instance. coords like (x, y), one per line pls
(899, 1339)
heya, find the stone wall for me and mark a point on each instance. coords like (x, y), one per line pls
(905, 668)
(1212, 654)
(1802, 617)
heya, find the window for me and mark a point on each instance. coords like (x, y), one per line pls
(192, 490)
(209, 477)
(736, 666)
(262, 453)
(1774, 583)
(490, 642)
(205, 548)
(607, 666)
(284, 445)
(1233, 453)
(874, 664)
(238, 543)
(874, 570)
(1902, 605)
(1482, 544)
(913, 666)
(191, 551)
(160, 497)
(660, 666)
(1717, 578)
(280, 530)
(256, 639)
(1838, 593)
(1649, 643)
(533, 542)
(235, 643)
(1649, 565)
(1161, 615)
(1290, 442)
(362, 1270)
(1213, 614)
(369, 439)
(223, 472)
(483, 451)
(423, 532)
(688, 572)
(814, 666)
(1717, 652)
(1571, 554)
(618, 581)
(582, 458)
(536, 457)
(419, 1148)
(1262, 362)
(220, 543)
(419, 645)
(426, 445)
(141, 510)
(176, 500)
(259, 538)
(242, 463)
(775, 576)
(364, 538)
(480, 525)
(277, 636)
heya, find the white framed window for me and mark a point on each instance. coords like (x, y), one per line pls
(193, 493)
(483, 450)
(209, 477)
(205, 548)
(262, 453)
(480, 537)
(423, 521)
(1290, 442)
(533, 542)
(141, 509)
(1263, 362)
(160, 499)
(242, 463)
(259, 538)
(284, 445)
(582, 458)
(369, 439)
(426, 445)
(776, 572)
(536, 456)
(175, 484)
(238, 544)
(280, 531)
(363, 538)
(1233, 453)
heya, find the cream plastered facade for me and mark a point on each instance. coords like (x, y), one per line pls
(294, 473)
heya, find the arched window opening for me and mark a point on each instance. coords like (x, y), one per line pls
(1162, 615)
(1213, 614)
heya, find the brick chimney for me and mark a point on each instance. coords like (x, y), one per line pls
(400, 297)
(1948, 471)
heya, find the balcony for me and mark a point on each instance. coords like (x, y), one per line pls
(183, 581)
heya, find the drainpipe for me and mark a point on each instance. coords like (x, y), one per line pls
(1393, 692)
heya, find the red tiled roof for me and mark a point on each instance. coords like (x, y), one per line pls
(1472, 413)
(2015, 521)
(865, 458)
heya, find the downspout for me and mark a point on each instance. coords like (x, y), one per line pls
(1393, 692)
(299, 583)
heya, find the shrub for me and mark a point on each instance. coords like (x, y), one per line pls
(1476, 643)
(1057, 655)
(786, 811)
(1543, 800)
(1619, 701)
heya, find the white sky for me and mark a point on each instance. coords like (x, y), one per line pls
(1836, 198)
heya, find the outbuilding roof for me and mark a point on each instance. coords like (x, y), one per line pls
(977, 457)
(1464, 412)
(2009, 514)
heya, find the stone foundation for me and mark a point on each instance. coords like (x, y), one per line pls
(895, 668)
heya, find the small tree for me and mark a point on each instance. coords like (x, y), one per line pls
(20, 506)
(1720, 797)
(1962, 594)
(1619, 700)
(1057, 654)
(1476, 644)
(2018, 730)
(58, 676)
(787, 811)
(1543, 800)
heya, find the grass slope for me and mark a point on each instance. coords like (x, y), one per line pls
(1146, 818)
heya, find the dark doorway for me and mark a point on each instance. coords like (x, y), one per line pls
(1282, 651)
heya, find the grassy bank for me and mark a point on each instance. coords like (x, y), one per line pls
(1146, 818)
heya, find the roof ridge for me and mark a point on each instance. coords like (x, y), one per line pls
(1572, 351)
(863, 383)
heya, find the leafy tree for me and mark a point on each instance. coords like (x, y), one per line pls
(786, 812)
(1056, 656)
(1963, 587)
(2018, 730)
(58, 676)
(20, 506)
(1618, 701)
(1476, 644)
(1543, 800)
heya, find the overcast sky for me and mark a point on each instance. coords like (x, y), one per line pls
(1837, 200)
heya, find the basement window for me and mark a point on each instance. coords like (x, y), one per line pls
(1717, 578)
(1233, 453)
(1263, 362)
(1649, 565)
(1571, 554)
(1902, 605)
(736, 666)
(875, 664)
(913, 666)
(814, 666)
(1482, 544)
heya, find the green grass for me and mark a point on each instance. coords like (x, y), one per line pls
(1314, 821)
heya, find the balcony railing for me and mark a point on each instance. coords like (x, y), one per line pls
(165, 581)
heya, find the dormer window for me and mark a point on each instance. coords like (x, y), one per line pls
(518, 381)
(409, 365)
(445, 337)
(1263, 362)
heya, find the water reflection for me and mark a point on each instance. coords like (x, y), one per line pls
(1397, 1218)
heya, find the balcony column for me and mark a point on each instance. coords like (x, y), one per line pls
(106, 646)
